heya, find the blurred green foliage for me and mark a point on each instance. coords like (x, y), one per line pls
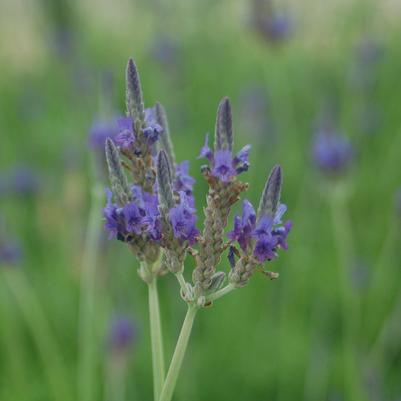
(280, 340)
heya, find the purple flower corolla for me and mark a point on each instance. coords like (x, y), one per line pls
(114, 219)
(138, 217)
(183, 182)
(332, 152)
(206, 152)
(122, 334)
(224, 166)
(126, 138)
(183, 219)
(133, 218)
(267, 234)
(153, 130)
(244, 226)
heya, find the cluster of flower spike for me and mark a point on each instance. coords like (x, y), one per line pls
(154, 211)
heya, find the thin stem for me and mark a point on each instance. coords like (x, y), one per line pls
(156, 339)
(344, 241)
(178, 356)
(220, 293)
(181, 280)
(115, 379)
(87, 346)
(41, 331)
(388, 336)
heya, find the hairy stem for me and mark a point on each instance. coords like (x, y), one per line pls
(42, 334)
(178, 356)
(220, 293)
(87, 346)
(182, 282)
(156, 339)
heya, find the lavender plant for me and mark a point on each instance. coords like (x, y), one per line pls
(153, 212)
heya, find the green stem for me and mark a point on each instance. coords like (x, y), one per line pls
(220, 293)
(179, 353)
(388, 338)
(41, 331)
(344, 241)
(87, 344)
(181, 280)
(156, 339)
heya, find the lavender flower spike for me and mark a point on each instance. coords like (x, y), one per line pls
(224, 130)
(164, 183)
(117, 177)
(271, 193)
(165, 140)
(134, 100)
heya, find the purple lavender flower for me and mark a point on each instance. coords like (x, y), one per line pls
(224, 166)
(114, 219)
(244, 226)
(269, 237)
(10, 252)
(206, 152)
(268, 232)
(133, 218)
(277, 28)
(126, 137)
(183, 219)
(100, 130)
(273, 26)
(122, 334)
(20, 180)
(183, 182)
(153, 130)
(333, 153)
(141, 216)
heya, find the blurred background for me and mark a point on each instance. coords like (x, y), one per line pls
(315, 86)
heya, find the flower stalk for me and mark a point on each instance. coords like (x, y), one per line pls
(156, 339)
(178, 356)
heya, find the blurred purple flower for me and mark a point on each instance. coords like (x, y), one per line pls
(102, 129)
(165, 51)
(122, 334)
(20, 180)
(333, 153)
(273, 26)
(10, 253)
